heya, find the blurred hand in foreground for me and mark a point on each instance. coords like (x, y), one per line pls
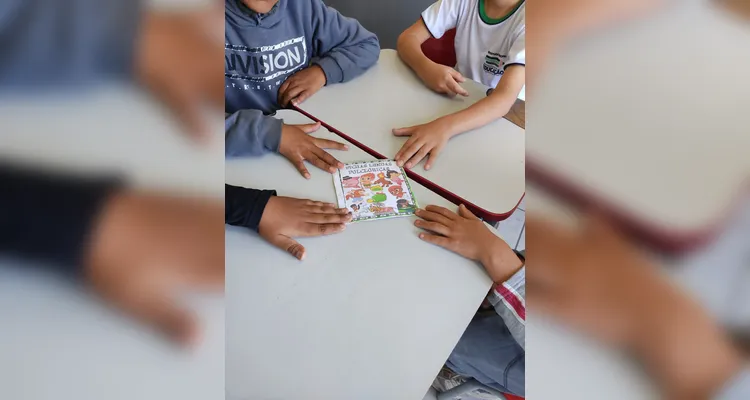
(178, 58)
(595, 281)
(145, 248)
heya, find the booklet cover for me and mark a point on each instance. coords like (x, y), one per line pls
(374, 190)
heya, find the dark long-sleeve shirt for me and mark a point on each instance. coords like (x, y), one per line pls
(63, 44)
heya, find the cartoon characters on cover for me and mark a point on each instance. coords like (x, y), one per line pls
(382, 181)
(369, 194)
(350, 182)
(366, 180)
(396, 191)
(395, 177)
(404, 206)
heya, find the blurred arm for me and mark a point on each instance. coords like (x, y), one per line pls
(48, 217)
(344, 47)
(52, 42)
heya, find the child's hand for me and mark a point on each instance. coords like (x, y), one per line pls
(297, 146)
(427, 139)
(285, 218)
(166, 39)
(443, 80)
(593, 279)
(467, 235)
(300, 86)
(146, 248)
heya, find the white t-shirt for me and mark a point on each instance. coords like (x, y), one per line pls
(484, 47)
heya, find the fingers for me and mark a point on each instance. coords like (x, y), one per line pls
(330, 144)
(309, 128)
(300, 165)
(434, 217)
(404, 131)
(328, 218)
(433, 226)
(464, 212)
(301, 98)
(324, 208)
(457, 76)
(321, 204)
(293, 90)
(456, 88)
(315, 160)
(289, 245)
(328, 159)
(186, 106)
(421, 154)
(443, 211)
(312, 229)
(438, 240)
(433, 156)
(407, 151)
(164, 314)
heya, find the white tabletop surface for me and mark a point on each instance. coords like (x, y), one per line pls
(371, 313)
(57, 341)
(663, 137)
(485, 167)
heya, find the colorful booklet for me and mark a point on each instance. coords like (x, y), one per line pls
(374, 190)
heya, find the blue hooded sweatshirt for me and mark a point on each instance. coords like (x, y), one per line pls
(263, 50)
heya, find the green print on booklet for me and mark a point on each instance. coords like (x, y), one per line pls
(374, 190)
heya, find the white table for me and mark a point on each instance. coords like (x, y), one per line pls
(56, 341)
(484, 167)
(656, 139)
(372, 313)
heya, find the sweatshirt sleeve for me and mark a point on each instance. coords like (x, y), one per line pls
(244, 207)
(249, 132)
(509, 300)
(737, 388)
(62, 42)
(47, 217)
(343, 47)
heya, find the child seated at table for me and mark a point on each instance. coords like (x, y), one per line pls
(492, 350)
(490, 48)
(281, 52)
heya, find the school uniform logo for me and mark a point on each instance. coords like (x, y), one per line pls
(493, 63)
(265, 67)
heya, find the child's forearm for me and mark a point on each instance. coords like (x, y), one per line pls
(249, 132)
(483, 112)
(409, 48)
(479, 114)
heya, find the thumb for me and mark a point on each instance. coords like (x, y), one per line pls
(165, 315)
(403, 131)
(289, 245)
(309, 128)
(464, 212)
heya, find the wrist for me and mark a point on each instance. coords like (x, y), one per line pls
(422, 65)
(448, 125)
(500, 261)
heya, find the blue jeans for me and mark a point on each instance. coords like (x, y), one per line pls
(488, 353)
